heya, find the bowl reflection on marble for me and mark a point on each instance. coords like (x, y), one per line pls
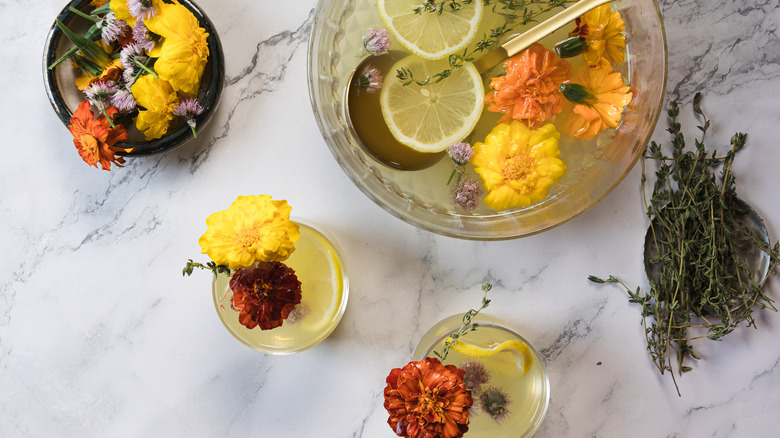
(421, 197)
(528, 393)
(65, 97)
(318, 262)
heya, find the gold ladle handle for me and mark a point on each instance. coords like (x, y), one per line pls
(541, 30)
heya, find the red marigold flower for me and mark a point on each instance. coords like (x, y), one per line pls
(529, 90)
(95, 138)
(264, 294)
(426, 399)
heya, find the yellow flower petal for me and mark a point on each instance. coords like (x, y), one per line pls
(253, 228)
(183, 52)
(158, 99)
(517, 164)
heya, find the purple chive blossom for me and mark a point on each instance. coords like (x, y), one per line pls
(123, 100)
(466, 195)
(376, 41)
(370, 79)
(131, 55)
(99, 94)
(189, 109)
(476, 375)
(141, 36)
(128, 75)
(112, 29)
(460, 153)
(141, 9)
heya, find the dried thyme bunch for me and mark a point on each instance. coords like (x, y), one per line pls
(700, 270)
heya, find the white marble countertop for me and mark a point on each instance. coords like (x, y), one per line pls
(101, 336)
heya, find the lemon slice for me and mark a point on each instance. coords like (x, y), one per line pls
(430, 118)
(429, 34)
(523, 355)
(320, 272)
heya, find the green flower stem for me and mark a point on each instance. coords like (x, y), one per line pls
(88, 48)
(105, 9)
(147, 69)
(455, 169)
(93, 33)
(110, 122)
(84, 15)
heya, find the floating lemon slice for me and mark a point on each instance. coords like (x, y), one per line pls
(430, 118)
(523, 355)
(429, 34)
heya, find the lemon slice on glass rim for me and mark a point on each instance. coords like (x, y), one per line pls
(519, 349)
(430, 118)
(431, 35)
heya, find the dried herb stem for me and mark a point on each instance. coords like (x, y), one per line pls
(467, 326)
(704, 275)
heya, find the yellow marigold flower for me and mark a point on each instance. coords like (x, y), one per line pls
(121, 12)
(600, 101)
(254, 228)
(517, 164)
(159, 99)
(183, 51)
(602, 30)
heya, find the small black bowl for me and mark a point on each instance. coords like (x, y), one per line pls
(64, 96)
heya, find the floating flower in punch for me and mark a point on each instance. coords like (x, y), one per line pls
(426, 399)
(529, 90)
(518, 165)
(376, 41)
(494, 401)
(466, 195)
(460, 153)
(254, 228)
(599, 98)
(158, 98)
(476, 375)
(183, 51)
(94, 138)
(369, 79)
(264, 294)
(602, 31)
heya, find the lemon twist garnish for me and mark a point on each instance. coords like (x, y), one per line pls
(521, 351)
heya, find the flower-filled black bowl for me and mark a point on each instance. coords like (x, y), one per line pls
(202, 96)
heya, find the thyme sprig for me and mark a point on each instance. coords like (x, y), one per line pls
(701, 277)
(516, 13)
(467, 326)
(432, 6)
(211, 266)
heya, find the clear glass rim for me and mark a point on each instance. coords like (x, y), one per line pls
(450, 324)
(498, 226)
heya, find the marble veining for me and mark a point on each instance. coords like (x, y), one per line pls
(100, 335)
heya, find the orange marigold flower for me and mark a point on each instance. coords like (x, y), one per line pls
(602, 30)
(602, 103)
(426, 399)
(95, 138)
(529, 90)
(264, 294)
